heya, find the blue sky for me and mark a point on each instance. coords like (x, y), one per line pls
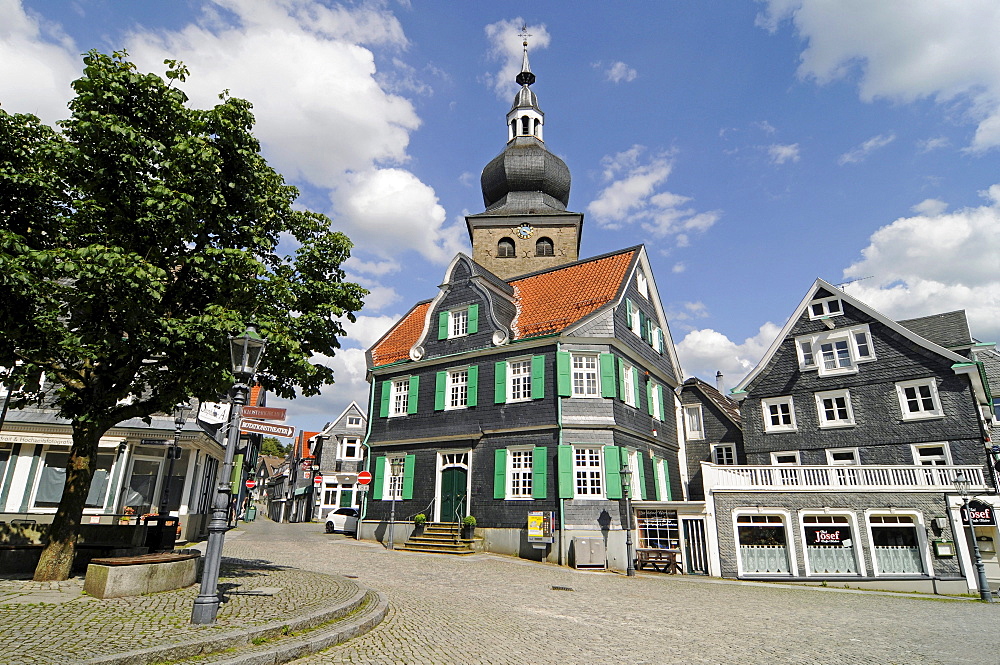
(752, 146)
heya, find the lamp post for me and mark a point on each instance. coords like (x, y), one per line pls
(180, 417)
(395, 470)
(964, 486)
(626, 474)
(246, 351)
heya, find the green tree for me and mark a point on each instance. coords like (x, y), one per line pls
(133, 243)
(271, 447)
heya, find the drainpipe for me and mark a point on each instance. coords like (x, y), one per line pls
(562, 501)
(368, 455)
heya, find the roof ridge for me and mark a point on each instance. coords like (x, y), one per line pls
(633, 248)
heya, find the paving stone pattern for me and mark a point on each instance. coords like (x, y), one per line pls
(55, 623)
(493, 609)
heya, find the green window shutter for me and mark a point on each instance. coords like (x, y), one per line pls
(537, 377)
(409, 462)
(666, 479)
(473, 319)
(539, 472)
(607, 362)
(499, 382)
(628, 312)
(234, 477)
(656, 479)
(565, 470)
(659, 339)
(649, 397)
(635, 385)
(443, 325)
(563, 378)
(386, 394)
(473, 386)
(621, 379)
(613, 472)
(644, 327)
(411, 395)
(440, 386)
(642, 476)
(659, 398)
(379, 479)
(500, 473)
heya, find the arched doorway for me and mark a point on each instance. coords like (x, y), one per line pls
(454, 474)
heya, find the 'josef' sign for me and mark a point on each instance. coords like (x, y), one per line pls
(979, 513)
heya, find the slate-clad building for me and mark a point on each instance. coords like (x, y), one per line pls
(854, 428)
(528, 381)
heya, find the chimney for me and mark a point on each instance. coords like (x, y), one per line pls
(718, 381)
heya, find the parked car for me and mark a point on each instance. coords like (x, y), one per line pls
(344, 520)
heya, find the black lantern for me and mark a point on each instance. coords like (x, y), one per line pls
(246, 351)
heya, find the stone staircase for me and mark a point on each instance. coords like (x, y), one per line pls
(439, 538)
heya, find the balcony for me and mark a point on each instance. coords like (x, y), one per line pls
(856, 478)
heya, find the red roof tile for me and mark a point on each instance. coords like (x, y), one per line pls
(396, 345)
(550, 301)
(255, 395)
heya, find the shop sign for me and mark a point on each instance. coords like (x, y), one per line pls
(979, 514)
(540, 526)
(838, 536)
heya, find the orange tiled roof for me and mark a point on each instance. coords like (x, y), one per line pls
(550, 301)
(303, 443)
(396, 345)
(255, 395)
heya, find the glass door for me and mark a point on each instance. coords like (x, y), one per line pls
(140, 492)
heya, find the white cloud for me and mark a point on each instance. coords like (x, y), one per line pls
(780, 153)
(704, 352)
(354, 265)
(37, 64)
(861, 152)
(934, 143)
(367, 330)
(930, 207)
(678, 268)
(619, 71)
(690, 310)
(379, 297)
(764, 126)
(506, 48)
(945, 51)
(936, 262)
(311, 413)
(634, 193)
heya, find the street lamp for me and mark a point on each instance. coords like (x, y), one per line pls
(626, 474)
(395, 470)
(173, 452)
(964, 486)
(246, 351)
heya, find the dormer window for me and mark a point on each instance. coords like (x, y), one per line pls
(354, 421)
(824, 307)
(458, 322)
(505, 249)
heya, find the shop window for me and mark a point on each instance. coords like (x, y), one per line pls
(829, 545)
(52, 480)
(763, 545)
(896, 545)
(658, 529)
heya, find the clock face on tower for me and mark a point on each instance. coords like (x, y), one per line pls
(523, 231)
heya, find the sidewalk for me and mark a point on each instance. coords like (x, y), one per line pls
(56, 623)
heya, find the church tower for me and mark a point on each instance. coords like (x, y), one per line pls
(525, 227)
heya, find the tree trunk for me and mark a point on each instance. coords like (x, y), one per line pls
(57, 557)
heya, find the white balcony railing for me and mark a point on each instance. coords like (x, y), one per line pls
(853, 477)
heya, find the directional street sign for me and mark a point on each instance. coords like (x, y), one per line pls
(258, 427)
(364, 477)
(263, 412)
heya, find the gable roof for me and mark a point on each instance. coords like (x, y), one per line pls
(546, 302)
(843, 295)
(949, 329)
(728, 407)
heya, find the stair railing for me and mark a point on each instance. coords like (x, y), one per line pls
(458, 518)
(426, 511)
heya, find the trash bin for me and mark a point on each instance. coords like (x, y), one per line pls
(251, 514)
(161, 532)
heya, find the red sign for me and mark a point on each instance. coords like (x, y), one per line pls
(251, 483)
(257, 427)
(318, 480)
(264, 412)
(364, 478)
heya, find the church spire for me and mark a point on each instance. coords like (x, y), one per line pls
(524, 117)
(525, 77)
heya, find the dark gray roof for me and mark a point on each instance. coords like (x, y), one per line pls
(526, 177)
(730, 408)
(950, 329)
(991, 364)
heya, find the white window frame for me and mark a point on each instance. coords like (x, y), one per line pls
(779, 453)
(922, 414)
(636, 320)
(628, 385)
(786, 521)
(523, 454)
(656, 394)
(942, 460)
(359, 422)
(769, 427)
(662, 477)
(831, 452)
(856, 544)
(642, 284)
(392, 486)
(458, 323)
(455, 397)
(350, 441)
(808, 349)
(728, 452)
(824, 421)
(592, 472)
(520, 379)
(635, 483)
(919, 529)
(826, 310)
(584, 373)
(690, 434)
(400, 399)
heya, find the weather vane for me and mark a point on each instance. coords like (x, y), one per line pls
(524, 34)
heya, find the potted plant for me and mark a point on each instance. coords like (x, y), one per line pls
(419, 520)
(468, 526)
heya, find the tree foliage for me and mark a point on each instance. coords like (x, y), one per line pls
(134, 242)
(271, 447)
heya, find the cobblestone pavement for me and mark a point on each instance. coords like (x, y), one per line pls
(498, 610)
(55, 623)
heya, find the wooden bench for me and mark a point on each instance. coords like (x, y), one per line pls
(114, 577)
(662, 561)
